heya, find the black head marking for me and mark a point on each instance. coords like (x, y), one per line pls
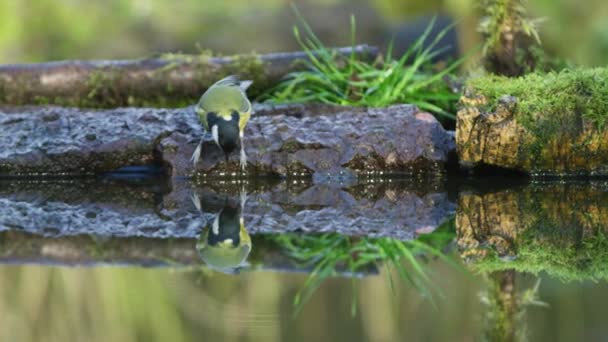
(212, 118)
(235, 116)
(227, 130)
(229, 227)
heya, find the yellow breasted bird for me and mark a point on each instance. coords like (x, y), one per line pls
(224, 110)
(225, 243)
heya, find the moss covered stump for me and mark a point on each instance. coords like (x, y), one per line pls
(542, 124)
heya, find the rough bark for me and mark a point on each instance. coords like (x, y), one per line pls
(295, 140)
(550, 124)
(167, 80)
(399, 209)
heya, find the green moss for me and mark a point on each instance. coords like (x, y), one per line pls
(565, 96)
(202, 56)
(550, 105)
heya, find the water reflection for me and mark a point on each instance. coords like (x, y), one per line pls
(514, 235)
(506, 298)
(555, 228)
(224, 243)
(406, 261)
(397, 208)
(509, 237)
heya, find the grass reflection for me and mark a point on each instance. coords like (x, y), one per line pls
(327, 253)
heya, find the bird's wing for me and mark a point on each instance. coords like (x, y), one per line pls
(224, 97)
(239, 97)
(202, 116)
(243, 118)
(223, 100)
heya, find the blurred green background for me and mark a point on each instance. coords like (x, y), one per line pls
(112, 303)
(40, 30)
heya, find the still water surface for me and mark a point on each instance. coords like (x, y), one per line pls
(415, 261)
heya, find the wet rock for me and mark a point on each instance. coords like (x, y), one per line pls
(75, 142)
(293, 140)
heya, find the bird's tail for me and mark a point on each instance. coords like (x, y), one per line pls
(233, 80)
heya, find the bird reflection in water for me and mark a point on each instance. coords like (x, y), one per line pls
(224, 243)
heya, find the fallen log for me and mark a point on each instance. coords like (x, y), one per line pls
(291, 140)
(555, 228)
(542, 124)
(169, 80)
(56, 208)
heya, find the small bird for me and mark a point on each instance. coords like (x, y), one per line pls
(225, 243)
(224, 110)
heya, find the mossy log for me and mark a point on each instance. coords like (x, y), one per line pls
(542, 124)
(291, 140)
(560, 229)
(168, 80)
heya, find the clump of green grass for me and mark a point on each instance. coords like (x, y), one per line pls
(333, 79)
(326, 253)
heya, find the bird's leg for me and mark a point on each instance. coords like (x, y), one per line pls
(197, 153)
(243, 159)
(243, 197)
(196, 201)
